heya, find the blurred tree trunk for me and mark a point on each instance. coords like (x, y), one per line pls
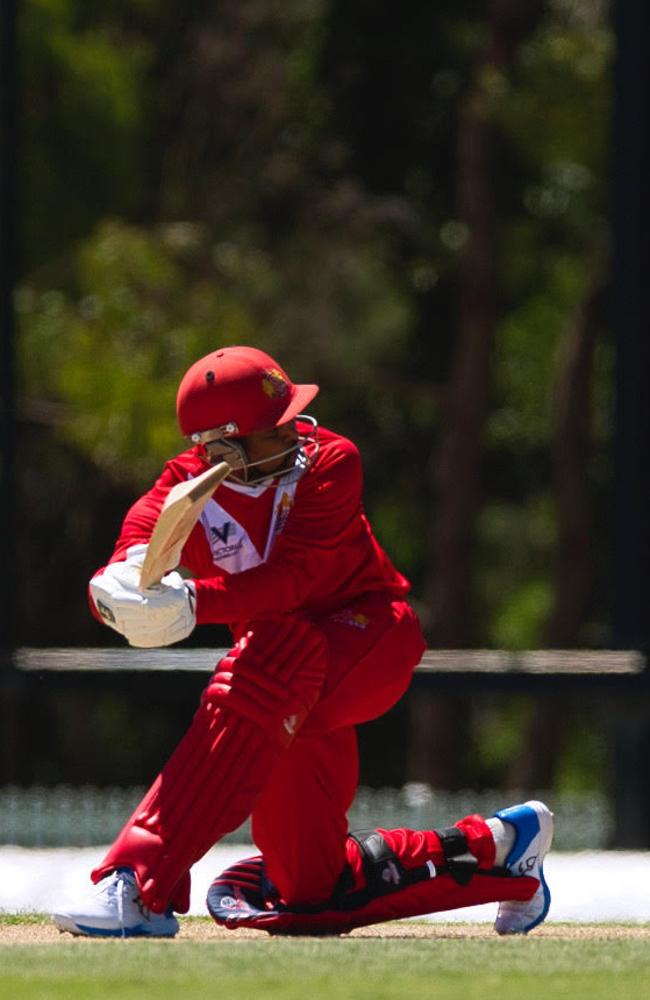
(438, 725)
(438, 730)
(573, 490)
(536, 765)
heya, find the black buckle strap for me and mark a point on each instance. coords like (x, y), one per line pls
(381, 866)
(460, 862)
(384, 872)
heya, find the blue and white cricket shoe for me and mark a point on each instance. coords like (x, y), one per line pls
(533, 823)
(115, 909)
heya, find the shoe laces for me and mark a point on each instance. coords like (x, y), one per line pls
(122, 883)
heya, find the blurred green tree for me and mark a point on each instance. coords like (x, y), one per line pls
(337, 183)
(85, 94)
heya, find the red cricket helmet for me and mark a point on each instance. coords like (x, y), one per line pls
(237, 390)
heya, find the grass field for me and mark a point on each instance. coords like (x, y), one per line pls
(400, 960)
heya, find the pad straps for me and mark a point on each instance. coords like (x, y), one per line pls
(381, 866)
(459, 861)
(383, 871)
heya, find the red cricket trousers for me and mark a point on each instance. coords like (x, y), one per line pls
(299, 820)
(234, 761)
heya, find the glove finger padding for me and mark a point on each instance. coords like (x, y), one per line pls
(125, 572)
(170, 629)
(158, 617)
(118, 584)
(113, 600)
(167, 614)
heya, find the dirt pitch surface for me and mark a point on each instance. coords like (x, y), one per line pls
(43, 932)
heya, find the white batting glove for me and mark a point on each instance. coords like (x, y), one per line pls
(159, 616)
(167, 613)
(115, 578)
(127, 571)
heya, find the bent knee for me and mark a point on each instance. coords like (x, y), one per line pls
(273, 676)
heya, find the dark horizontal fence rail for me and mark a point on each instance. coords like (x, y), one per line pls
(617, 679)
(581, 663)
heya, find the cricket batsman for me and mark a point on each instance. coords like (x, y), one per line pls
(323, 640)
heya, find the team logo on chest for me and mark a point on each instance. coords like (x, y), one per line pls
(221, 532)
(219, 535)
(231, 546)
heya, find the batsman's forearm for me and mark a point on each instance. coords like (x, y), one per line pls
(264, 590)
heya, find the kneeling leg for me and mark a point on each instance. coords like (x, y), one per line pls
(392, 874)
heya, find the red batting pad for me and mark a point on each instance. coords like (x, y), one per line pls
(235, 901)
(212, 780)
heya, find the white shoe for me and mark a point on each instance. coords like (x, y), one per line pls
(115, 909)
(533, 823)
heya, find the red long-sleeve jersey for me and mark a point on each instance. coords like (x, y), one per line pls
(258, 551)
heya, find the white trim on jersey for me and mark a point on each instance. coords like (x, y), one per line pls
(230, 544)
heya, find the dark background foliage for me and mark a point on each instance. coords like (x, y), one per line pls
(407, 205)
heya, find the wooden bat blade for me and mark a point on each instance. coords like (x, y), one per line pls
(180, 512)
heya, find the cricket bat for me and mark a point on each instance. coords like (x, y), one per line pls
(180, 512)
